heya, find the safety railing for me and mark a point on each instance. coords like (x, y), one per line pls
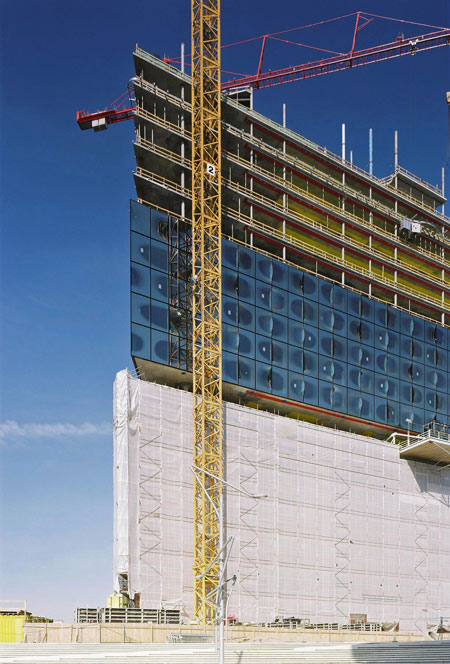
(308, 196)
(342, 262)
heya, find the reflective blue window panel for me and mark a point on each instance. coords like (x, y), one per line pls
(310, 363)
(159, 225)
(140, 279)
(140, 341)
(435, 334)
(310, 287)
(414, 415)
(159, 256)
(436, 379)
(340, 324)
(386, 387)
(296, 303)
(246, 372)
(354, 304)
(279, 382)
(367, 308)
(303, 336)
(295, 281)
(326, 318)
(393, 342)
(246, 343)
(246, 316)
(296, 362)
(140, 309)
(263, 349)
(362, 356)
(229, 282)
(159, 318)
(332, 370)
(326, 292)
(140, 249)
(380, 314)
(332, 397)
(279, 301)
(406, 392)
(264, 324)
(160, 347)
(229, 310)
(339, 298)
(418, 350)
(279, 327)
(296, 386)
(393, 319)
(360, 330)
(311, 392)
(230, 368)
(311, 313)
(246, 261)
(159, 285)
(279, 353)
(140, 218)
(360, 404)
(262, 295)
(381, 337)
(246, 288)
(230, 338)
(442, 403)
(332, 345)
(263, 377)
(436, 357)
(360, 379)
(431, 400)
(280, 275)
(264, 269)
(229, 254)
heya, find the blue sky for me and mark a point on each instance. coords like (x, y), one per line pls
(64, 208)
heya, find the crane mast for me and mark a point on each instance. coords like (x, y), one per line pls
(206, 303)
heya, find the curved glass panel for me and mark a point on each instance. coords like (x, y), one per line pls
(246, 372)
(229, 367)
(159, 225)
(229, 255)
(263, 349)
(246, 261)
(140, 218)
(279, 301)
(159, 285)
(230, 338)
(140, 279)
(159, 256)
(229, 310)
(159, 316)
(246, 316)
(160, 347)
(280, 275)
(262, 295)
(140, 309)
(246, 343)
(140, 249)
(140, 341)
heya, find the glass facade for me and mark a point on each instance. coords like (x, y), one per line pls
(288, 333)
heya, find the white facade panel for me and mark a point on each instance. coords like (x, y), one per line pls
(347, 527)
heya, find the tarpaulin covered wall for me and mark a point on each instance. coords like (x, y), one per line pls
(346, 527)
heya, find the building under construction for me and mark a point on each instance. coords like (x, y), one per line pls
(335, 361)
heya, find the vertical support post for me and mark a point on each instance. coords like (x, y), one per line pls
(206, 301)
(284, 118)
(343, 142)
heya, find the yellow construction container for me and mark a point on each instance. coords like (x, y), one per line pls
(11, 628)
(117, 601)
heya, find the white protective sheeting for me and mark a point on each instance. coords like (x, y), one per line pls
(347, 527)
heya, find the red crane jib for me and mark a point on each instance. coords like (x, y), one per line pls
(402, 46)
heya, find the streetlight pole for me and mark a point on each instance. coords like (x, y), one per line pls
(224, 551)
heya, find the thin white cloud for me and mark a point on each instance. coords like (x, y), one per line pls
(12, 429)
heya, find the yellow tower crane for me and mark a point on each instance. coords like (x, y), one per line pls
(207, 315)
